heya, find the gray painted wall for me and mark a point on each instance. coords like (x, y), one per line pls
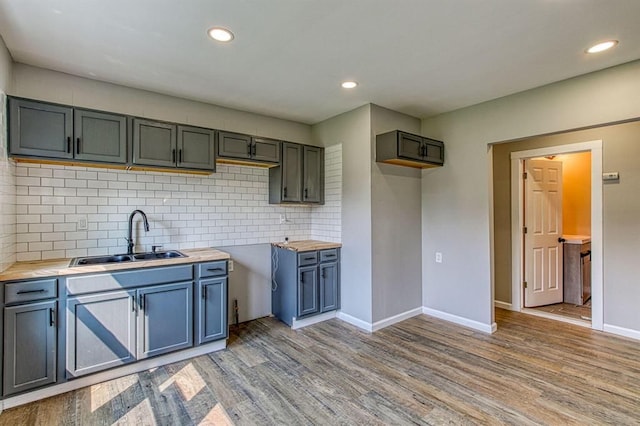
(396, 224)
(250, 281)
(456, 208)
(47, 85)
(353, 130)
(7, 170)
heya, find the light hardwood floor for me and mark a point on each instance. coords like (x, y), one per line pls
(420, 371)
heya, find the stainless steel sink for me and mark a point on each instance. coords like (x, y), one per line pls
(120, 258)
(170, 254)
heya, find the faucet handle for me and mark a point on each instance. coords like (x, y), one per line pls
(156, 248)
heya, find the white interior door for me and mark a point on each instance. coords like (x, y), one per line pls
(543, 222)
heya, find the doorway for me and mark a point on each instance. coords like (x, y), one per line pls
(531, 287)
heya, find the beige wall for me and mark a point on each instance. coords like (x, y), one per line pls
(456, 209)
(7, 171)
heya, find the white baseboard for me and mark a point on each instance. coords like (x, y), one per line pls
(112, 374)
(296, 324)
(378, 325)
(621, 331)
(465, 322)
(503, 305)
(366, 326)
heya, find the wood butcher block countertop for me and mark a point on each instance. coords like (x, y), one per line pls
(307, 245)
(60, 267)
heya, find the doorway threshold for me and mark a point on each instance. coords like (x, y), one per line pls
(556, 317)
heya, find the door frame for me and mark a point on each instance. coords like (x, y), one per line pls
(517, 223)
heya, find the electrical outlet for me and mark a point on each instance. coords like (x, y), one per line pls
(82, 223)
(438, 257)
(230, 265)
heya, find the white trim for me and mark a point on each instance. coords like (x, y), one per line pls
(113, 374)
(378, 325)
(517, 222)
(465, 322)
(556, 317)
(621, 331)
(366, 326)
(503, 305)
(304, 322)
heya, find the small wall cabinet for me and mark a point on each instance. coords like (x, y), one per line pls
(300, 176)
(40, 129)
(406, 149)
(305, 283)
(30, 332)
(243, 149)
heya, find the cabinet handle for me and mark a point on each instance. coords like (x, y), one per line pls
(173, 155)
(142, 302)
(204, 293)
(254, 150)
(133, 303)
(329, 255)
(306, 193)
(309, 258)
(77, 145)
(69, 144)
(41, 290)
(249, 149)
(215, 269)
(284, 190)
(52, 317)
(180, 156)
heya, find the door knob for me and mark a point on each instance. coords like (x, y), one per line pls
(561, 240)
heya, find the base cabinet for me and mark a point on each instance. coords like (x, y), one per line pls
(213, 314)
(29, 346)
(304, 283)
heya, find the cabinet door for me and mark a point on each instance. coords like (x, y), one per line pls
(29, 346)
(165, 320)
(196, 148)
(212, 315)
(234, 145)
(101, 332)
(434, 151)
(40, 129)
(100, 136)
(154, 143)
(329, 291)
(307, 290)
(410, 146)
(313, 174)
(266, 150)
(291, 172)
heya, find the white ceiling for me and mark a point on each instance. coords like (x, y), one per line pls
(420, 57)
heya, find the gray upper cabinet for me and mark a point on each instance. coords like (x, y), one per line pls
(406, 149)
(100, 136)
(165, 322)
(196, 148)
(40, 129)
(313, 175)
(244, 148)
(154, 143)
(212, 315)
(300, 176)
(29, 346)
(101, 332)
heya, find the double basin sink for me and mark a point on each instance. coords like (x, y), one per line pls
(121, 258)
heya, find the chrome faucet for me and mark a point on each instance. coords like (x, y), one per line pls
(130, 238)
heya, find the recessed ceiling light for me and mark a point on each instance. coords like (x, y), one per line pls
(349, 84)
(220, 34)
(601, 47)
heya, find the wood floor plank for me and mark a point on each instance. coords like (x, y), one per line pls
(420, 371)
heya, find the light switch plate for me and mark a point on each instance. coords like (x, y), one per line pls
(611, 176)
(82, 223)
(230, 265)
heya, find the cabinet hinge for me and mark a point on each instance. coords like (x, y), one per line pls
(524, 175)
(524, 230)
(524, 284)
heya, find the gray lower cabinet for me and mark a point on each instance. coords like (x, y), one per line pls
(300, 176)
(304, 283)
(29, 346)
(101, 331)
(239, 147)
(406, 149)
(212, 316)
(165, 319)
(40, 129)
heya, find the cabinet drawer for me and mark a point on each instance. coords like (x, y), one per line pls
(30, 290)
(330, 255)
(212, 269)
(307, 258)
